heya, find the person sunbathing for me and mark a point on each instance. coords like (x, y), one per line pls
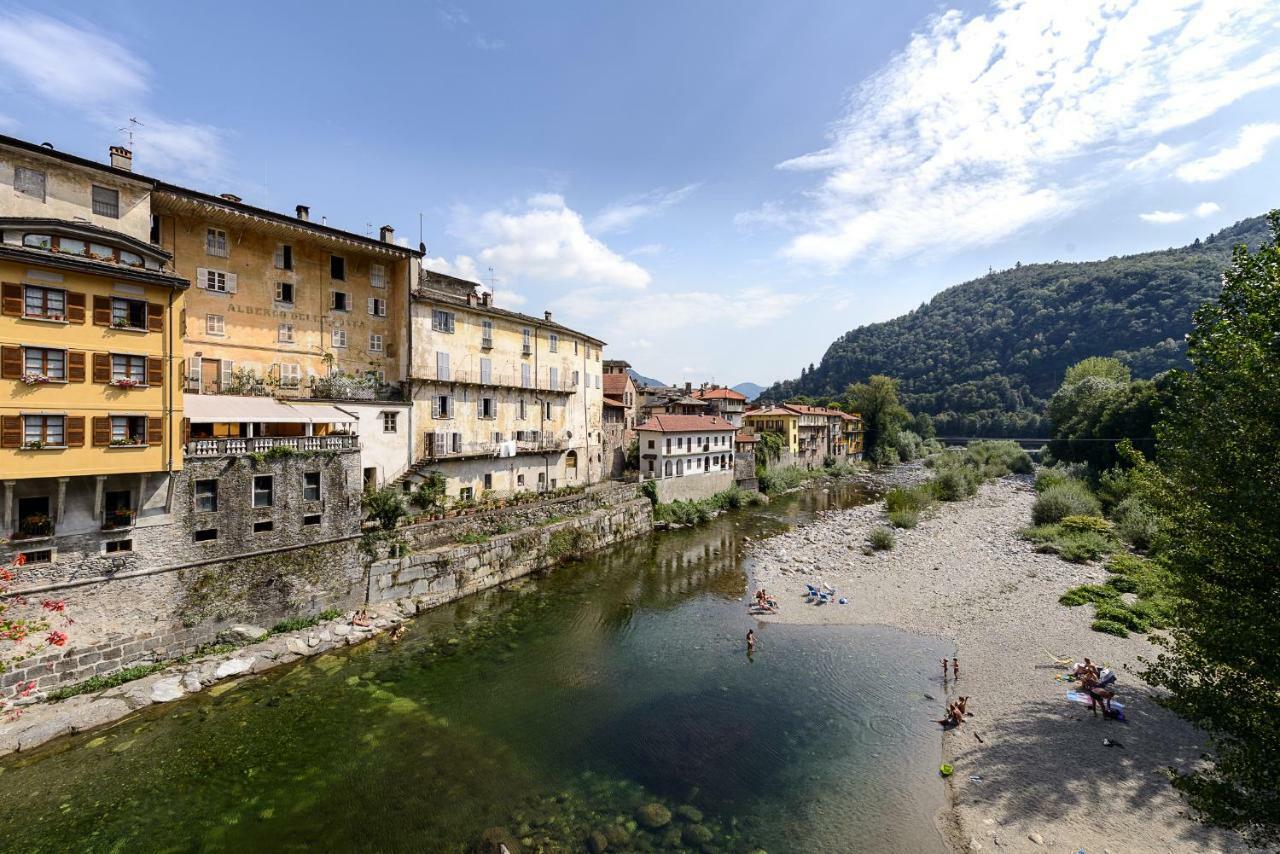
(1085, 669)
(954, 716)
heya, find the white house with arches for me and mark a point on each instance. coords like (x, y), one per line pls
(691, 456)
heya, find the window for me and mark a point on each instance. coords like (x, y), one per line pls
(263, 490)
(290, 375)
(390, 422)
(284, 333)
(521, 412)
(29, 182)
(38, 556)
(263, 525)
(377, 307)
(128, 430)
(441, 321)
(128, 313)
(106, 202)
(45, 363)
(337, 267)
(488, 408)
(47, 303)
(117, 546)
(466, 493)
(124, 367)
(43, 431)
(553, 377)
(340, 338)
(554, 343)
(650, 444)
(576, 379)
(488, 481)
(486, 370)
(284, 257)
(155, 229)
(284, 292)
(311, 519)
(129, 259)
(205, 535)
(375, 343)
(519, 480)
(526, 375)
(526, 343)
(486, 333)
(442, 365)
(206, 496)
(339, 301)
(377, 275)
(547, 411)
(37, 241)
(442, 406)
(575, 348)
(215, 324)
(215, 280)
(215, 242)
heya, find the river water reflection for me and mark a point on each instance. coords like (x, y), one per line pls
(611, 695)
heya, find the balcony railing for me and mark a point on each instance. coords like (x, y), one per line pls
(499, 380)
(262, 444)
(34, 527)
(490, 449)
(120, 518)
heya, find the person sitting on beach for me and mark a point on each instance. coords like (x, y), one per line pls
(361, 618)
(961, 703)
(1085, 669)
(954, 716)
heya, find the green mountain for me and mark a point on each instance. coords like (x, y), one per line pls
(984, 356)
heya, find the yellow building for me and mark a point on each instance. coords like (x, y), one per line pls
(281, 300)
(776, 419)
(506, 402)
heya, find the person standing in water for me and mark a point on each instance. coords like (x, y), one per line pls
(751, 640)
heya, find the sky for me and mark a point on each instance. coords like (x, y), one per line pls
(717, 189)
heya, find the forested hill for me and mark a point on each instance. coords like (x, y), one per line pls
(984, 356)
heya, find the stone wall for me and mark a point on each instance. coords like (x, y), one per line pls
(692, 487)
(615, 450)
(451, 572)
(744, 470)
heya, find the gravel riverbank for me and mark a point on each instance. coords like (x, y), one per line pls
(1031, 770)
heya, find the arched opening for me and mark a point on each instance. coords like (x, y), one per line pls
(571, 465)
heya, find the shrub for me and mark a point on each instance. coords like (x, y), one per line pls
(1123, 584)
(1122, 614)
(429, 493)
(1125, 563)
(1070, 498)
(1083, 547)
(1136, 523)
(882, 538)
(1110, 627)
(1086, 524)
(999, 457)
(1087, 594)
(384, 506)
(909, 445)
(954, 484)
(1114, 486)
(904, 518)
(915, 498)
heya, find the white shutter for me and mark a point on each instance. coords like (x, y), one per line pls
(457, 442)
(438, 442)
(435, 406)
(442, 365)
(226, 372)
(202, 277)
(231, 283)
(373, 307)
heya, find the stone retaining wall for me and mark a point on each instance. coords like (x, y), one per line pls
(451, 572)
(693, 487)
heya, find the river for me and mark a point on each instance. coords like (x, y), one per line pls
(611, 697)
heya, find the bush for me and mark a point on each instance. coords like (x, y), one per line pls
(1110, 627)
(954, 484)
(999, 457)
(914, 498)
(1088, 594)
(1136, 523)
(882, 538)
(904, 518)
(385, 506)
(1086, 524)
(1050, 477)
(1122, 614)
(1070, 498)
(909, 445)
(429, 493)
(1114, 486)
(1083, 547)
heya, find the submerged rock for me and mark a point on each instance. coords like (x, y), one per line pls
(233, 667)
(166, 690)
(653, 815)
(689, 812)
(597, 842)
(696, 835)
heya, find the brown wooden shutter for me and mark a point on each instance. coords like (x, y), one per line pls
(155, 317)
(75, 431)
(10, 363)
(155, 371)
(75, 307)
(155, 431)
(11, 299)
(101, 311)
(75, 366)
(11, 431)
(102, 367)
(186, 430)
(101, 431)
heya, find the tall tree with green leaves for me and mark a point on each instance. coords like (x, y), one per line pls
(882, 415)
(1096, 407)
(1216, 483)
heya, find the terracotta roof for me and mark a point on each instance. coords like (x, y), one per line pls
(719, 394)
(663, 422)
(805, 409)
(772, 411)
(615, 384)
(746, 438)
(609, 401)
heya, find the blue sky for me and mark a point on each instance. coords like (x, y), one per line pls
(718, 189)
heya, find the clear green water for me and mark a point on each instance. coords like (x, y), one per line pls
(543, 712)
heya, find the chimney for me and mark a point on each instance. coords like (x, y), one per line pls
(387, 234)
(688, 387)
(546, 315)
(471, 298)
(231, 197)
(485, 298)
(121, 158)
(304, 212)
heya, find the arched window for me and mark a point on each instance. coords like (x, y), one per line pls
(666, 469)
(571, 464)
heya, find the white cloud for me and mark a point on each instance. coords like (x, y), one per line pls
(462, 267)
(984, 125)
(1160, 156)
(621, 215)
(1205, 209)
(647, 249)
(546, 240)
(1162, 217)
(189, 149)
(1250, 146)
(452, 16)
(486, 43)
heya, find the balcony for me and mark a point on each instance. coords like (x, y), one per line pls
(264, 444)
(465, 450)
(34, 527)
(119, 519)
(494, 379)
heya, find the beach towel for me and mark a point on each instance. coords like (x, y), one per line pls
(1081, 697)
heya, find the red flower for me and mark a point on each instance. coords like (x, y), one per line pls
(24, 690)
(54, 605)
(20, 560)
(57, 638)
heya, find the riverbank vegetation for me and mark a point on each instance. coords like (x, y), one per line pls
(701, 510)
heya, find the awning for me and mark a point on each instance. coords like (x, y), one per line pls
(230, 408)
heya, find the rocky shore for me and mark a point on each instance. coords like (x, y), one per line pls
(1032, 770)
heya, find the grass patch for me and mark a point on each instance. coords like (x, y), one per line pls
(882, 538)
(904, 518)
(703, 509)
(100, 683)
(295, 624)
(1110, 627)
(473, 538)
(1153, 608)
(916, 499)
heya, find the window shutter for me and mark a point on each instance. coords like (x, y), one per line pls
(102, 367)
(186, 430)
(155, 317)
(438, 442)
(101, 311)
(457, 442)
(227, 365)
(333, 299)
(373, 306)
(74, 436)
(231, 283)
(202, 277)
(155, 371)
(75, 366)
(155, 431)
(10, 363)
(435, 406)
(11, 431)
(11, 298)
(75, 308)
(101, 431)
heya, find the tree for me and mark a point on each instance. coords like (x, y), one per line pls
(882, 415)
(769, 447)
(429, 493)
(1096, 407)
(1216, 484)
(384, 506)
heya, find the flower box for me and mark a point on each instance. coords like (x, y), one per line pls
(125, 382)
(32, 378)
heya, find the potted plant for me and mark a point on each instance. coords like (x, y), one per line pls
(32, 445)
(36, 525)
(120, 323)
(126, 382)
(33, 378)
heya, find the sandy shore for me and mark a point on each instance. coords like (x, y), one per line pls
(1040, 779)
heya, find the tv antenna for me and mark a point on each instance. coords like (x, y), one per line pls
(128, 130)
(493, 283)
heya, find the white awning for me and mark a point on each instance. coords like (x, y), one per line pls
(230, 408)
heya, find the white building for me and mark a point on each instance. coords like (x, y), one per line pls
(690, 456)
